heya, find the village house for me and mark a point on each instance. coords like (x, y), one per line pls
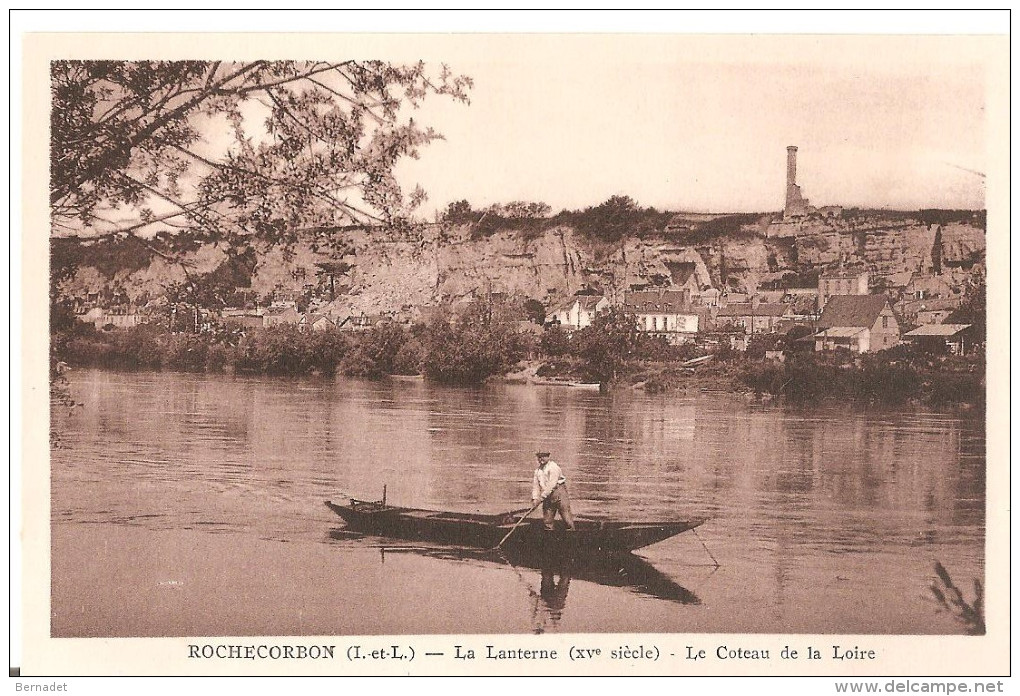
(803, 302)
(753, 317)
(708, 297)
(339, 312)
(278, 316)
(92, 316)
(364, 322)
(841, 282)
(578, 312)
(244, 319)
(664, 313)
(729, 297)
(859, 323)
(928, 287)
(119, 317)
(894, 284)
(959, 338)
(316, 322)
(921, 312)
(936, 311)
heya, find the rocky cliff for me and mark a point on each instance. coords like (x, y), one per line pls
(390, 272)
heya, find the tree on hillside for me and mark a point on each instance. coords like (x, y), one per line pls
(459, 212)
(238, 150)
(611, 220)
(517, 210)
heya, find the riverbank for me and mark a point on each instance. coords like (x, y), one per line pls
(903, 375)
(897, 377)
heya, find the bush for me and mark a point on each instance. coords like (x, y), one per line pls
(760, 343)
(326, 349)
(374, 352)
(955, 388)
(409, 358)
(880, 378)
(185, 352)
(609, 344)
(484, 341)
(218, 356)
(663, 381)
(555, 342)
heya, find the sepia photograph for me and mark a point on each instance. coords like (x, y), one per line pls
(523, 336)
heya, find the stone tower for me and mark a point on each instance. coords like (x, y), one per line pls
(796, 204)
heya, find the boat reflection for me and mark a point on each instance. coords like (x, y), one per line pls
(627, 571)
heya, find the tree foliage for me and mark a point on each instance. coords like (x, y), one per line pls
(326, 136)
(376, 352)
(973, 310)
(608, 344)
(476, 344)
(520, 210)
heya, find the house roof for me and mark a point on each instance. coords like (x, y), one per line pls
(852, 310)
(842, 274)
(840, 332)
(945, 330)
(938, 304)
(899, 280)
(655, 301)
(746, 309)
(587, 302)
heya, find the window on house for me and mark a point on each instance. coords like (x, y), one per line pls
(885, 322)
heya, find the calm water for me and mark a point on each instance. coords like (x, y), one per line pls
(823, 520)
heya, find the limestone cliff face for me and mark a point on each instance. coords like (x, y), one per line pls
(392, 273)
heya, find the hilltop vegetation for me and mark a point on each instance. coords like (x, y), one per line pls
(615, 219)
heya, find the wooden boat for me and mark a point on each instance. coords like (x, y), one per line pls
(590, 538)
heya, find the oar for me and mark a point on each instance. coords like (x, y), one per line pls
(514, 528)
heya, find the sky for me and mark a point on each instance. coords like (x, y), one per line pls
(679, 122)
(699, 124)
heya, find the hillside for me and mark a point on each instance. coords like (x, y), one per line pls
(546, 260)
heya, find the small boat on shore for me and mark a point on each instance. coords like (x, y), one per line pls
(563, 383)
(590, 538)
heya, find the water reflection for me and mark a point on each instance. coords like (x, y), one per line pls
(554, 575)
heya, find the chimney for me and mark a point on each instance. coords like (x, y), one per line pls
(791, 166)
(796, 204)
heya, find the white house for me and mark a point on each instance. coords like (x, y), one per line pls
(578, 312)
(663, 313)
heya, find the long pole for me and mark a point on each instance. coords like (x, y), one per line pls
(514, 528)
(695, 530)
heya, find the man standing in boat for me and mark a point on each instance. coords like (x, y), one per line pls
(550, 487)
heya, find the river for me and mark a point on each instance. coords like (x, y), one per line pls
(193, 505)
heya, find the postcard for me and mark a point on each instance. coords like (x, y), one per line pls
(588, 354)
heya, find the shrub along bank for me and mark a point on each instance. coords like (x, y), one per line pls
(485, 341)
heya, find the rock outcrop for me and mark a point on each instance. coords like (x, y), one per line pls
(391, 272)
